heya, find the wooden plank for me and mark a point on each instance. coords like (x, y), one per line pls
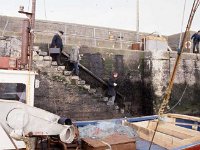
(186, 117)
(161, 139)
(169, 129)
(179, 129)
(188, 141)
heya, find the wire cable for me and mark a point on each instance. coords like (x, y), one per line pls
(182, 25)
(182, 93)
(45, 14)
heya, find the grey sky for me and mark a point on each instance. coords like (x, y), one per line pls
(163, 16)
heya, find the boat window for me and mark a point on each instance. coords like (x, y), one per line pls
(13, 91)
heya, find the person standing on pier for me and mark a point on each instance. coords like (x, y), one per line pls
(196, 38)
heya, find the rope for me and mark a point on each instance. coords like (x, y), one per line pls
(182, 24)
(110, 148)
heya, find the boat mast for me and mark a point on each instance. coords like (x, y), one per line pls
(32, 33)
(28, 36)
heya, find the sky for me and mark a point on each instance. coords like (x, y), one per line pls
(161, 16)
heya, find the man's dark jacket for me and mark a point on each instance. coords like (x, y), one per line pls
(111, 89)
(57, 42)
(195, 37)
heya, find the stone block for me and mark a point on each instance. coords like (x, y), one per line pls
(160, 55)
(122, 110)
(38, 58)
(54, 68)
(189, 56)
(36, 48)
(116, 107)
(173, 54)
(46, 63)
(86, 86)
(39, 63)
(67, 73)
(105, 99)
(80, 82)
(41, 53)
(92, 91)
(61, 68)
(35, 53)
(68, 80)
(75, 78)
(47, 58)
(54, 63)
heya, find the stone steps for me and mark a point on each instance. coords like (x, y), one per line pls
(82, 102)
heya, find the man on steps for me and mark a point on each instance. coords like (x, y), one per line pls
(57, 43)
(74, 59)
(111, 89)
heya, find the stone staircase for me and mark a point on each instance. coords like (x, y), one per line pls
(69, 96)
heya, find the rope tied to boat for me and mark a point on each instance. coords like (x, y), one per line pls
(110, 148)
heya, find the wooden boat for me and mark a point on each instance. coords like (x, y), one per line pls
(173, 132)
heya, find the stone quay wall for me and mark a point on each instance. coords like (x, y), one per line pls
(73, 33)
(144, 77)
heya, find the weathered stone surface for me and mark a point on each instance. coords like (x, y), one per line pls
(39, 63)
(143, 76)
(36, 48)
(75, 77)
(92, 91)
(10, 46)
(47, 58)
(105, 99)
(54, 63)
(70, 101)
(80, 82)
(41, 53)
(61, 68)
(86, 86)
(38, 58)
(101, 40)
(67, 73)
(47, 63)
(143, 80)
